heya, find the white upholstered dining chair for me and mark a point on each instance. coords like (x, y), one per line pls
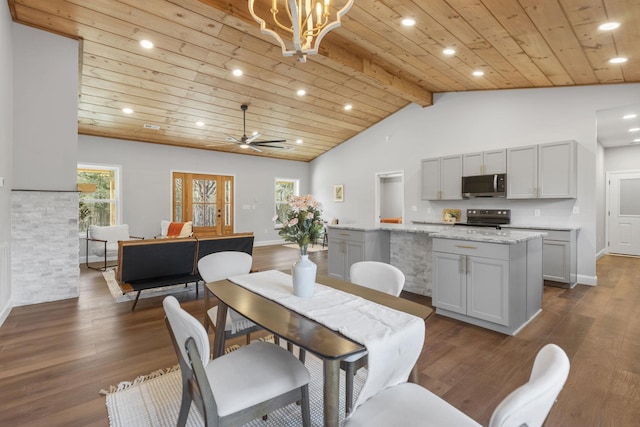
(237, 387)
(414, 406)
(219, 266)
(382, 277)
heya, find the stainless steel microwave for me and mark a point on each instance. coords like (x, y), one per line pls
(494, 185)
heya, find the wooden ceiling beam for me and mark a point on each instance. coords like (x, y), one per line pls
(363, 63)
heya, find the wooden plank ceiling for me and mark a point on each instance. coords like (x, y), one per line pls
(370, 62)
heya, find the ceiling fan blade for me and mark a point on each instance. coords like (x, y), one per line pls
(232, 139)
(269, 142)
(255, 148)
(253, 138)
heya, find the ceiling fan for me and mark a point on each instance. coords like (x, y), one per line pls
(250, 142)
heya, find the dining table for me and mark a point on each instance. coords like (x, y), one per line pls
(327, 344)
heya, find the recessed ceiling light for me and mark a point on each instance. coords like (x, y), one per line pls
(636, 140)
(147, 44)
(237, 72)
(449, 51)
(608, 26)
(629, 116)
(200, 124)
(127, 110)
(301, 92)
(478, 73)
(348, 107)
(408, 22)
(298, 141)
(634, 129)
(618, 60)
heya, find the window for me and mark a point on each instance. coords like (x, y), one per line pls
(99, 195)
(284, 189)
(206, 200)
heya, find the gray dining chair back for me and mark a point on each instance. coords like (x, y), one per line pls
(529, 405)
(239, 386)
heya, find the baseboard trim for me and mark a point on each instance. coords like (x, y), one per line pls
(587, 280)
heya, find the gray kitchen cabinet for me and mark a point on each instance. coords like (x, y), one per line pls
(492, 285)
(473, 285)
(542, 171)
(484, 163)
(442, 178)
(559, 256)
(348, 246)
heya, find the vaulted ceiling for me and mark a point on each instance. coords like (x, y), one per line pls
(371, 62)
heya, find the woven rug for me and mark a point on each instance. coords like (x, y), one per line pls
(314, 248)
(154, 401)
(110, 277)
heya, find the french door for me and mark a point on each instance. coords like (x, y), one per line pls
(206, 200)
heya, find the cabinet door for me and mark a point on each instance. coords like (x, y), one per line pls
(354, 252)
(472, 164)
(450, 282)
(522, 172)
(451, 178)
(494, 161)
(488, 289)
(557, 170)
(336, 250)
(556, 261)
(430, 188)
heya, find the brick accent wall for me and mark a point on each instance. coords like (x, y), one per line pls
(411, 253)
(44, 246)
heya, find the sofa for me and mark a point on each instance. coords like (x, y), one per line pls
(148, 264)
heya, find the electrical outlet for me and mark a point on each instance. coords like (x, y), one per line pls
(414, 209)
(576, 210)
(536, 212)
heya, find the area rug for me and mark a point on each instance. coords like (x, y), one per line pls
(110, 277)
(154, 401)
(314, 248)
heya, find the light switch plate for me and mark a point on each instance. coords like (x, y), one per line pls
(576, 210)
(536, 212)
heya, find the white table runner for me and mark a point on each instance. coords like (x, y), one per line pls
(393, 339)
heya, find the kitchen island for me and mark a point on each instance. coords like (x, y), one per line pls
(491, 278)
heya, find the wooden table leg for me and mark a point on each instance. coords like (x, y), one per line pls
(331, 392)
(218, 348)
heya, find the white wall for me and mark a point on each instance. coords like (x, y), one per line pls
(146, 181)
(475, 121)
(45, 110)
(6, 143)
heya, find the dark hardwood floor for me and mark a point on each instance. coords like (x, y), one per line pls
(55, 357)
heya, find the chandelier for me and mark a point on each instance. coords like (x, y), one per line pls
(305, 22)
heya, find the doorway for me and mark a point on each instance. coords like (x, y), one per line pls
(623, 219)
(389, 197)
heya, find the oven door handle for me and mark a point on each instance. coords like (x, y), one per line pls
(495, 183)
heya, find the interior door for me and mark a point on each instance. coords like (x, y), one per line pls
(624, 213)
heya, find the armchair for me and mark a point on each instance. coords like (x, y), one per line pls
(103, 242)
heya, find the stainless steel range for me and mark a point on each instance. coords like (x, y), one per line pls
(487, 218)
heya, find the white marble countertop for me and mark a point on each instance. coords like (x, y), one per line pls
(512, 225)
(477, 234)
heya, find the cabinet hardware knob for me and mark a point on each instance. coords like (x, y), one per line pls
(466, 247)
